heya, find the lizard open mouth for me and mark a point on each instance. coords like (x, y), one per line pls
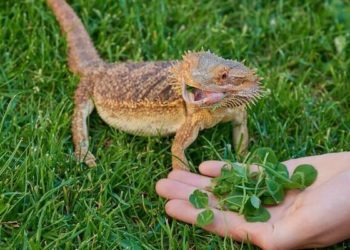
(201, 97)
(214, 95)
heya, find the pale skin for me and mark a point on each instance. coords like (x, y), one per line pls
(319, 216)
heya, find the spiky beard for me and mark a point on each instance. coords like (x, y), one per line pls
(245, 97)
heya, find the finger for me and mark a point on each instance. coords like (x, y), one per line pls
(183, 210)
(226, 224)
(172, 189)
(189, 178)
(211, 168)
(338, 161)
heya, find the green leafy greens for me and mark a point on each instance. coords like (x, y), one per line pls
(241, 190)
(200, 199)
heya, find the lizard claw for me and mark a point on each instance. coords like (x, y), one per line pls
(90, 160)
(87, 157)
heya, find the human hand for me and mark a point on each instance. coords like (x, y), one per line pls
(316, 217)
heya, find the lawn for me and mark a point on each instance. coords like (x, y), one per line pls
(47, 200)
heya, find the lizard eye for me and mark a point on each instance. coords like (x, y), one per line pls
(224, 76)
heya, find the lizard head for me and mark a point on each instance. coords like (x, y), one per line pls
(211, 81)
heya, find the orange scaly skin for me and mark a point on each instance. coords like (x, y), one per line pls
(152, 98)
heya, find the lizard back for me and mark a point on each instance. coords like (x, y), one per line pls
(136, 83)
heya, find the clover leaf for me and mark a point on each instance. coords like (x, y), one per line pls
(304, 175)
(199, 199)
(205, 217)
(261, 155)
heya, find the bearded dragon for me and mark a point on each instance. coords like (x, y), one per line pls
(157, 97)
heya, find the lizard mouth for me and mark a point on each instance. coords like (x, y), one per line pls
(201, 97)
(206, 97)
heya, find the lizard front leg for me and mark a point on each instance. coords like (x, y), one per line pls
(240, 133)
(83, 108)
(184, 137)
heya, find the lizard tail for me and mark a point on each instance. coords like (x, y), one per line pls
(82, 54)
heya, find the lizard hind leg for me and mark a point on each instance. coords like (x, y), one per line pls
(83, 108)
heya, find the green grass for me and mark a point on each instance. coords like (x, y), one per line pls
(47, 200)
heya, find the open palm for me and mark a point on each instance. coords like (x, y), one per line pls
(317, 216)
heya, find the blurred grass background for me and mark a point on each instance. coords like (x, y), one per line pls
(47, 200)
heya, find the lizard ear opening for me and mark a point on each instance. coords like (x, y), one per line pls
(224, 76)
